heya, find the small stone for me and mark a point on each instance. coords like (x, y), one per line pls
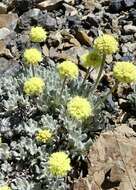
(83, 38)
(129, 3)
(89, 4)
(115, 6)
(45, 51)
(23, 6)
(3, 8)
(4, 52)
(73, 21)
(50, 4)
(47, 21)
(130, 29)
(4, 32)
(54, 39)
(8, 21)
(8, 67)
(90, 21)
(70, 10)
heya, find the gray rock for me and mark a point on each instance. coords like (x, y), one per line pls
(47, 21)
(129, 3)
(116, 6)
(8, 66)
(130, 29)
(4, 32)
(8, 20)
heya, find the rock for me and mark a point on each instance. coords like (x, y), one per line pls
(90, 4)
(83, 38)
(23, 6)
(71, 2)
(47, 21)
(50, 23)
(8, 21)
(115, 6)
(129, 3)
(111, 162)
(132, 15)
(130, 29)
(45, 51)
(70, 10)
(90, 20)
(3, 8)
(4, 52)
(4, 32)
(54, 39)
(50, 4)
(8, 67)
(73, 21)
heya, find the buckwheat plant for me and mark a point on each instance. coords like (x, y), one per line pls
(49, 115)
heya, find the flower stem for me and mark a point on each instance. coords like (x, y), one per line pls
(99, 74)
(100, 101)
(33, 70)
(63, 86)
(86, 76)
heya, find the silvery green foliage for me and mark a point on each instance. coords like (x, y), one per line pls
(24, 160)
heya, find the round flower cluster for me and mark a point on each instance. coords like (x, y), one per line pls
(32, 56)
(34, 86)
(79, 108)
(38, 34)
(44, 135)
(125, 72)
(106, 44)
(5, 187)
(59, 164)
(68, 69)
(91, 59)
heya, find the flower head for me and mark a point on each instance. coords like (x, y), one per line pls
(68, 69)
(43, 135)
(59, 164)
(38, 34)
(32, 56)
(5, 187)
(79, 108)
(125, 72)
(106, 44)
(91, 59)
(34, 86)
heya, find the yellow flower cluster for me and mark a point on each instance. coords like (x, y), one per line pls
(106, 44)
(125, 72)
(59, 164)
(43, 135)
(68, 69)
(79, 108)
(38, 34)
(91, 59)
(32, 56)
(34, 86)
(5, 187)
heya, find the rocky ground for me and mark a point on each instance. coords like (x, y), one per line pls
(72, 26)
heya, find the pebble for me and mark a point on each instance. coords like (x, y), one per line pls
(90, 21)
(130, 29)
(116, 6)
(50, 4)
(4, 32)
(8, 20)
(3, 8)
(129, 3)
(4, 52)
